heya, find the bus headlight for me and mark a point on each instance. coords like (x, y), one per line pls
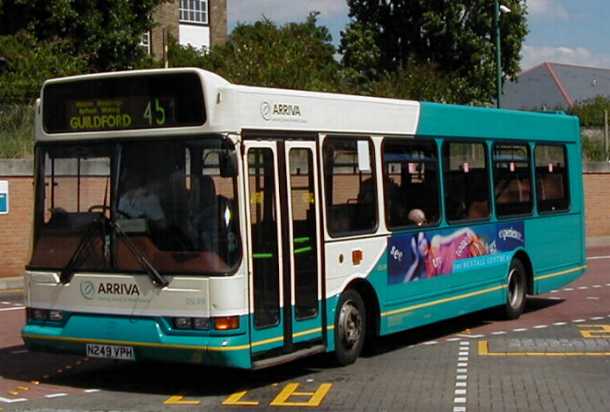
(56, 315)
(38, 314)
(183, 323)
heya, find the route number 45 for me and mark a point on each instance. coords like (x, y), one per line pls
(156, 113)
(595, 331)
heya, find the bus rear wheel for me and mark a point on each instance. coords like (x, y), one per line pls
(350, 327)
(516, 290)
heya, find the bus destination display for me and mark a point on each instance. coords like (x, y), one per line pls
(125, 103)
(125, 113)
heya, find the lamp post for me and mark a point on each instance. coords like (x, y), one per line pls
(497, 9)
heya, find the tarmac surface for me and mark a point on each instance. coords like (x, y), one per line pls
(556, 357)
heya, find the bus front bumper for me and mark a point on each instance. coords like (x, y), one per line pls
(148, 339)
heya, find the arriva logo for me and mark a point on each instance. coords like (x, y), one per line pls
(266, 110)
(280, 111)
(87, 290)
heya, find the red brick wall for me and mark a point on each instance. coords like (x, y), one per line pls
(597, 202)
(16, 227)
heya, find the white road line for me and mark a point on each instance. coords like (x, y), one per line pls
(559, 323)
(578, 320)
(10, 309)
(464, 343)
(12, 400)
(459, 409)
(555, 298)
(460, 392)
(592, 298)
(56, 395)
(453, 339)
(541, 326)
(92, 390)
(583, 287)
(520, 330)
(6, 303)
(499, 332)
(463, 358)
(569, 289)
(462, 364)
(459, 400)
(596, 286)
(430, 342)
(461, 370)
(597, 318)
(597, 257)
(460, 384)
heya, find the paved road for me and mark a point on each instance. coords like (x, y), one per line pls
(555, 358)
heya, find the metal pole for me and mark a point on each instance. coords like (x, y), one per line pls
(498, 52)
(606, 134)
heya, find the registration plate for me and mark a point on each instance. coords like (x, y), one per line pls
(110, 352)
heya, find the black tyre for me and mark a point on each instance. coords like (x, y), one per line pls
(516, 290)
(350, 327)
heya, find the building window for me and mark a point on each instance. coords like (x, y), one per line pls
(145, 41)
(194, 11)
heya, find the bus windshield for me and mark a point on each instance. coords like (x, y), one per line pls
(175, 200)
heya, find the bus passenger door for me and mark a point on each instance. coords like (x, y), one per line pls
(265, 262)
(283, 249)
(304, 243)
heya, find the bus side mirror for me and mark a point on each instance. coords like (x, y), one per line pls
(228, 164)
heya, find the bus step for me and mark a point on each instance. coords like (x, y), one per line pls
(289, 357)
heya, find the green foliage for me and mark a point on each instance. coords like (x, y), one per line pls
(591, 112)
(593, 149)
(457, 37)
(17, 131)
(106, 33)
(293, 56)
(30, 63)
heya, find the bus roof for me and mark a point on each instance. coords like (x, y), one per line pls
(234, 108)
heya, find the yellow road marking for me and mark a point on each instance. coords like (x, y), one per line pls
(483, 347)
(597, 331)
(290, 390)
(179, 400)
(236, 399)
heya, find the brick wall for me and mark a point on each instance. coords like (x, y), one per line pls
(16, 227)
(218, 22)
(597, 201)
(166, 19)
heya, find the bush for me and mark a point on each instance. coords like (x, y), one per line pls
(17, 131)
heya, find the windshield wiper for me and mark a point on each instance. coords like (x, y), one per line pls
(157, 279)
(85, 244)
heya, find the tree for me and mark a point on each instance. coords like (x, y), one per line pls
(456, 36)
(106, 33)
(293, 56)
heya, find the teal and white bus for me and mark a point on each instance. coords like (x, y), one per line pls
(179, 217)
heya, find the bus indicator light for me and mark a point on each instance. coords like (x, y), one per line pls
(226, 323)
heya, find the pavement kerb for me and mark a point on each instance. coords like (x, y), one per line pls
(11, 283)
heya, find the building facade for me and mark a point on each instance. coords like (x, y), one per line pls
(555, 86)
(199, 23)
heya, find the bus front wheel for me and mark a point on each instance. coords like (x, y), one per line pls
(350, 327)
(516, 290)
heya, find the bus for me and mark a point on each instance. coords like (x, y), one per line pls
(179, 217)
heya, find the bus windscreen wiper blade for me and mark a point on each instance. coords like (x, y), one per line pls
(85, 242)
(157, 279)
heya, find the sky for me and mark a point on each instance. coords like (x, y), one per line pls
(560, 31)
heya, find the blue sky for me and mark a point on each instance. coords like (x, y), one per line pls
(561, 31)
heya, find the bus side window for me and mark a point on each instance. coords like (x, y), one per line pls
(551, 178)
(350, 186)
(410, 180)
(466, 181)
(512, 179)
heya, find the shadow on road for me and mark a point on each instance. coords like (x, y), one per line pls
(169, 379)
